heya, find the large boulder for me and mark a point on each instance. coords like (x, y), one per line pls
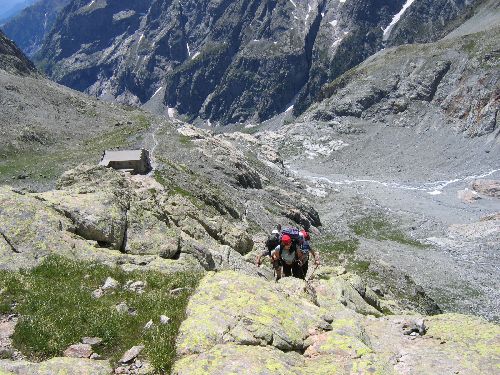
(346, 290)
(204, 226)
(233, 308)
(149, 231)
(30, 231)
(97, 216)
(468, 196)
(490, 188)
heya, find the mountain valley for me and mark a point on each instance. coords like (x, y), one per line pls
(371, 124)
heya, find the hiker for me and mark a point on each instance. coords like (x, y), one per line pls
(272, 242)
(305, 247)
(289, 256)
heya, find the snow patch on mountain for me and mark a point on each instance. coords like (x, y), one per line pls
(396, 18)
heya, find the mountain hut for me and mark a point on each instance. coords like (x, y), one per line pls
(133, 161)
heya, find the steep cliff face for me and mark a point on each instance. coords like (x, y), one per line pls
(452, 83)
(12, 59)
(29, 28)
(347, 35)
(11, 8)
(228, 61)
(429, 20)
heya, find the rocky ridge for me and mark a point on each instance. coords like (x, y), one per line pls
(100, 214)
(13, 60)
(397, 85)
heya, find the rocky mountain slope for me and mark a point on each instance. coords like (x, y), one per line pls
(30, 27)
(228, 61)
(47, 134)
(12, 8)
(13, 60)
(361, 158)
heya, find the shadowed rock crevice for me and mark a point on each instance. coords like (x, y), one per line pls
(441, 70)
(11, 245)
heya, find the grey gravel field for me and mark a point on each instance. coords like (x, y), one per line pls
(419, 187)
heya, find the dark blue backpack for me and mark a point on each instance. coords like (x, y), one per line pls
(294, 234)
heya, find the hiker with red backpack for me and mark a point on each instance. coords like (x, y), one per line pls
(288, 254)
(306, 248)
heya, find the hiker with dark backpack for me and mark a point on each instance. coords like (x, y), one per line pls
(306, 248)
(289, 256)
(271, 243)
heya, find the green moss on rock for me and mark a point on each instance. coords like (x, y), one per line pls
(227, 298)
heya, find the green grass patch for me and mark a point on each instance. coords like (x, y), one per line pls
(469, 46)
(174, 189)
(358, 266)
(332, 250)
(381, 229)
(177, 166)
(338, 83)
(171, 187)
(250, 130)
(185, 140)
(57, 309)
(49, 164)
(36, 165)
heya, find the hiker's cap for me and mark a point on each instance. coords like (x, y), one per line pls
(275, 231)
(286, 240)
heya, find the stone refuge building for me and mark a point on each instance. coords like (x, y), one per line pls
(133, 161)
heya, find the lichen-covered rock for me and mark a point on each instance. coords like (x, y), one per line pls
(449, 339)
(227, 233)
(31, 231)
(347, 339)
(230, 307)
(93, 178)
(238, 359)
(468, 336)
(338, 291)
(245, 325)
(97, 216)
(148, 232)
(98, 210)
(58, 365)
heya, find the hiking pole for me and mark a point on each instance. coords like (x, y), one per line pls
(312, 273)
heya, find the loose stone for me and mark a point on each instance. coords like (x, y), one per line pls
(110, 283)
(78, 351)
(131, 354)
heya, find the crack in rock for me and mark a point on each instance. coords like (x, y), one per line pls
(12, 247)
